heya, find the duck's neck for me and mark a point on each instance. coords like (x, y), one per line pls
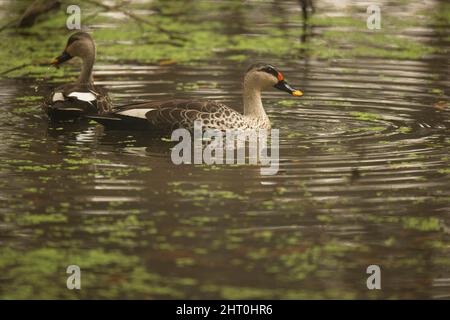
(253, 106)
(86, 70)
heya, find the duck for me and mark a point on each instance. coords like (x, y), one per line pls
(83, 97)
(166, 116)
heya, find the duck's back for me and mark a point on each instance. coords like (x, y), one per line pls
(75, 100)
(180, 113)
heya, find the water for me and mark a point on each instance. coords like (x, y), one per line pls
(363, 180)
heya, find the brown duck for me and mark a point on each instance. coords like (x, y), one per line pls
(165, 116)
(74, 100)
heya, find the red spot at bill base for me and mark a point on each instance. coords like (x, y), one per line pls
(280, 76)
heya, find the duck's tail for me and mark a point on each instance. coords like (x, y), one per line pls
(62, 111)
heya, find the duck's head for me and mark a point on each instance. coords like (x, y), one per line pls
(262, 76)
(80, 44)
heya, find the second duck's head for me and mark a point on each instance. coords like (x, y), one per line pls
(80, 45)
(261, 76)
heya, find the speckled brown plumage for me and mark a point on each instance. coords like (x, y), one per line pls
(172, 114)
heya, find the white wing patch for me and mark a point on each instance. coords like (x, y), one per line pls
(58, 96)
(136, 113)
(83, 96)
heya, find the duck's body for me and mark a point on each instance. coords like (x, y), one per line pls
(165, 116)
(81, 98)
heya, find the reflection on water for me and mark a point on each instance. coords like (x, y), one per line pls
(363, 180)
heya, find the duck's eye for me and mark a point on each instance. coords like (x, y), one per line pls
(271, 71)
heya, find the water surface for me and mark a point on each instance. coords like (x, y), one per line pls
(364, 179)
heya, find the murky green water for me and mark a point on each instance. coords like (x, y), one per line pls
(364, 168)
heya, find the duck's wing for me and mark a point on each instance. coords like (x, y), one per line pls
(74, 100)
(172, 114)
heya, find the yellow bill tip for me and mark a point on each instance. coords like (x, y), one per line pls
(54, 61)
(297, 93)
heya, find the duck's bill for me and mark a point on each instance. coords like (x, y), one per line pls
(62, 58)
(284, 86)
